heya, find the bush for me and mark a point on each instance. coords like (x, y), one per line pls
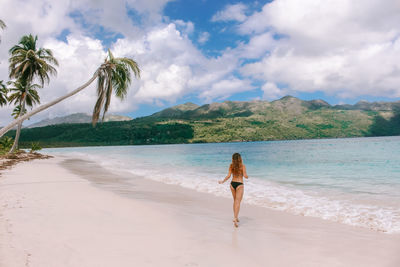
(35, 146)
(6, 143)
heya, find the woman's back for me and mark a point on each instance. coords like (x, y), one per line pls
(237, 174)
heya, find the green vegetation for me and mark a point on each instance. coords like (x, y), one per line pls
(107, 133)
(6, 143)
(386, 127)
(287, 118)
(2, 26)
(3, 94)
(35, 146)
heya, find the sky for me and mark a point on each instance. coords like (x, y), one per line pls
(204, 51)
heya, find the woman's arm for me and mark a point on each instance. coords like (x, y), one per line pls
(245, 172)
(227, 177)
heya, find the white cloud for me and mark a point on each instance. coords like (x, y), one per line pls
(234, 12)
(172, 66)
(113, 15)
(186, 27)
(271, 91)
(203, 38)
(341, 47)
(225, 88)
(149, 6)
(166, 58)
(257, 46)
(165, 84)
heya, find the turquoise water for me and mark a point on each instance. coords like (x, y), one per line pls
(353, 181)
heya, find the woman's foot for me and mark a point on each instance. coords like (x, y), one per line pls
(235, 220)
(235, 223)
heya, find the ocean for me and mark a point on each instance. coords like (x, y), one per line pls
(354, 181)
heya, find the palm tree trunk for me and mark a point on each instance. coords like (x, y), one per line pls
(15, 145)
(45, 106)
(22, 111)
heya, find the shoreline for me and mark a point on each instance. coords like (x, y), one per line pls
(225, 142)
(48, 219)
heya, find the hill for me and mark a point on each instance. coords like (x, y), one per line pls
(283, 119)
(77, 118)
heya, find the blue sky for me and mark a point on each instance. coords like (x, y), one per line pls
(222, 34)
(206, 51)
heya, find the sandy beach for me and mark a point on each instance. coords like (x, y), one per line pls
(71, 212)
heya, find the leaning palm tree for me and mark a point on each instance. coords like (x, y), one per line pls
(114, 75)
(3, 94)
(22, 95)
(27, 63)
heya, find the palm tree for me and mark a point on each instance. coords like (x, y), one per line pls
(2, 25)
(3, 94)
(114, 75)
(27, 63)
(22, 95)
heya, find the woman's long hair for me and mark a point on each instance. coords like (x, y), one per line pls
(236, 166)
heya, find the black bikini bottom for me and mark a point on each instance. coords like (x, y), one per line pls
(236, 184)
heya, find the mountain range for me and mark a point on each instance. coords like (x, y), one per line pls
(77, 118)
(283, 119)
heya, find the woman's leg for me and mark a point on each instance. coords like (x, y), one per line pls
(234, 196)
(238, 199)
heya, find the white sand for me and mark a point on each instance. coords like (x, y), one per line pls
(51, 216)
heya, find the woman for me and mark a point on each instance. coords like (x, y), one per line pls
(238, 171)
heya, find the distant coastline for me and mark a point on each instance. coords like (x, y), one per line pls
(288, 118)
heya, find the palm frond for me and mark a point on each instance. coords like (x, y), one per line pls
(3, 94)
(132, 65)
(23, 93)
(16, 112)
(2, 24)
